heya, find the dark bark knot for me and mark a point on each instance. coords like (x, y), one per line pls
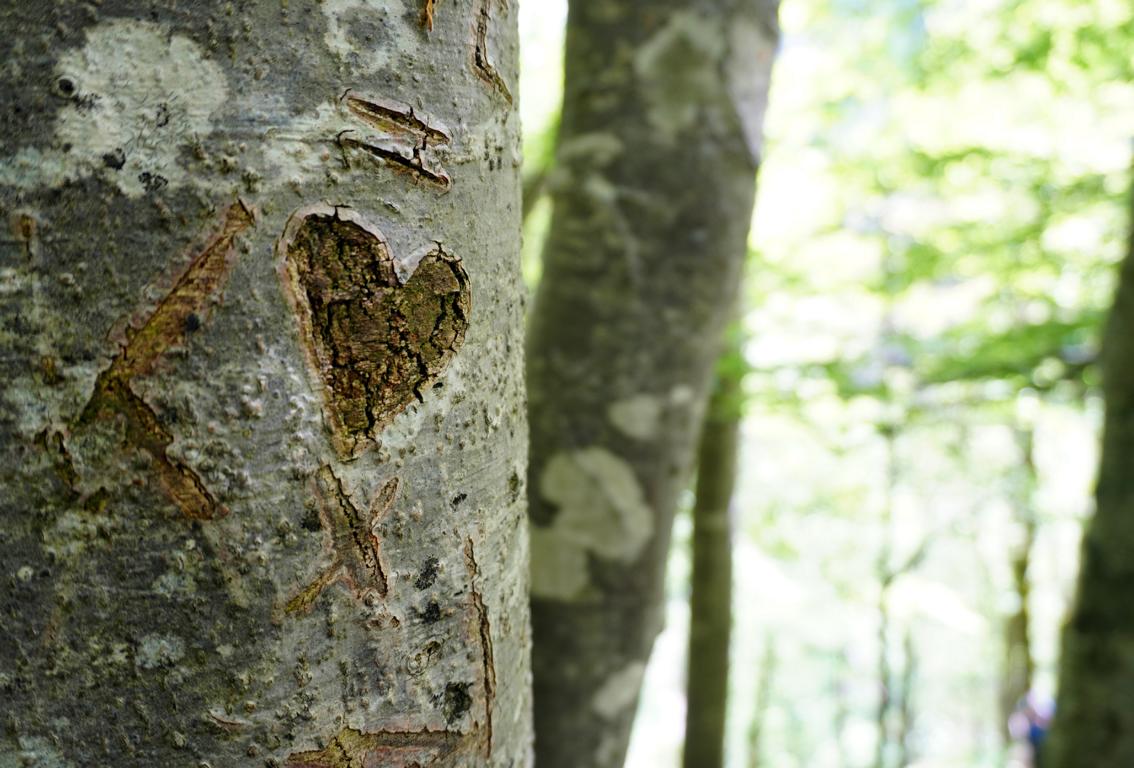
(377, 333)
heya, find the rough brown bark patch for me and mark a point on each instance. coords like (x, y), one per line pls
(376, 340)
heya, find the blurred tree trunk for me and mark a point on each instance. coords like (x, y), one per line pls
(710, 599)
(652, 191)
(263, 441)
(891, 714)
(907, 715)
(1094, 718)
(765, 683)
(1019, 663)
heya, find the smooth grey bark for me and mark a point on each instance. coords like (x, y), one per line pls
(1094, 717)
(262, 444)
(652, 191)
(710, 598)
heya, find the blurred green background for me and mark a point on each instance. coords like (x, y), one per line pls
(939, 213)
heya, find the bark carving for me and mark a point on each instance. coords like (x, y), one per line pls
(375, 338)
(351, 748)
(403, 140)
(483, 66)
(357, 550)
(176, 315)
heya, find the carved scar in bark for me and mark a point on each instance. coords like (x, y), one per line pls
(427, 12)
(484, 633)
(393, 133)
(166, 326)
(355, 548)
(352, 748)
(376, 332)
(482, 65)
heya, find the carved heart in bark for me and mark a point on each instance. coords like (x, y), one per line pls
(377, 332)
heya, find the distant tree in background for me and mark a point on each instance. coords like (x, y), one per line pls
(652, 191)
(1094, 716)
(710, 595)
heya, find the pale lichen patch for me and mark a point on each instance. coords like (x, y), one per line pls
(155, 650)
(637, 416)
(601, 511)
(600, 502)
(36, 752)
(350, 20)
(681, 396)
(678, 71)
(558, 572)
(135, 97)
(619, 691)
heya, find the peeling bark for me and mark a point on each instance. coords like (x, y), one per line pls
(239, 512)
(652, 191)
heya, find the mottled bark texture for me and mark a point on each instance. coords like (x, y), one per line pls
(262, 443)
(710, 601)
(1094, 718)
(652, 190)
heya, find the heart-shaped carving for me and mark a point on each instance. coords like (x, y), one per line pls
(377, 332)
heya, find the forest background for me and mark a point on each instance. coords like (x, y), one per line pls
(941, 206)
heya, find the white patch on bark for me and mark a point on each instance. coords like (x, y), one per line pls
(584, 156)
(136, 97)
(619, 691)
(681, 396)
(172, 583)
(678, 69)
(35, 752)
(601, 511)
(637, 416)
(156, 650)
(599, 149)
(558, 572)
(360, 57)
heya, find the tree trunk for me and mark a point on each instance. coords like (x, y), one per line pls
(652, 189)
(765, 685)
(710, 601)
(262, 439)
(1094, 720)
(907, 715)
(1019, 663)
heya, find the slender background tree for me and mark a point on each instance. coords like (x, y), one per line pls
(1094, 718)
(710, 594)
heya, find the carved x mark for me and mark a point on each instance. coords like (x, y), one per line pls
(356, 549)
